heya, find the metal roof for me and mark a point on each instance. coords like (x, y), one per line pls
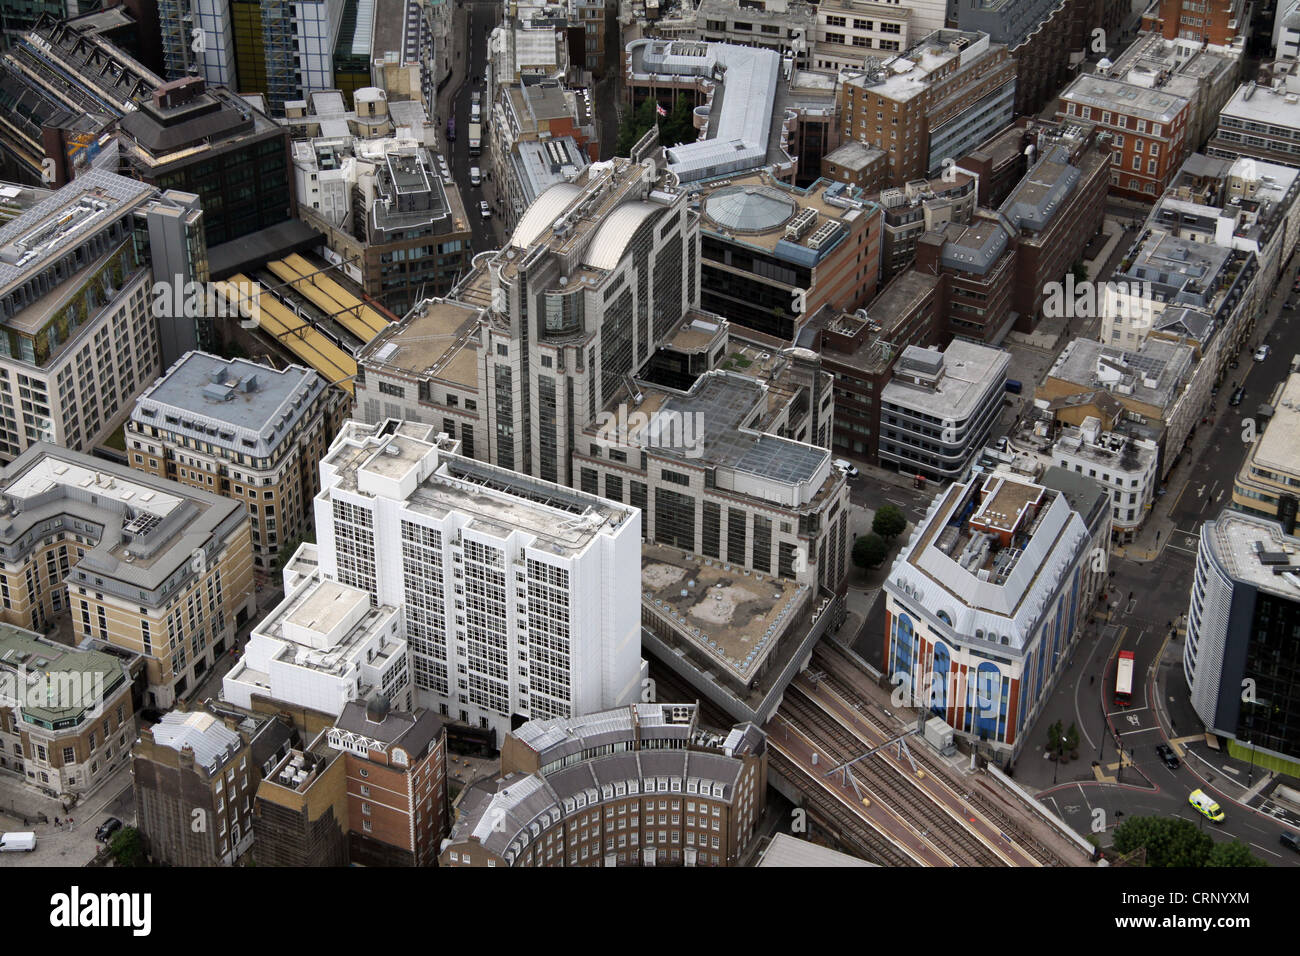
(609, 241)
(210, 739)
(539, 217)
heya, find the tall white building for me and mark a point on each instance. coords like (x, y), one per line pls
(518, 595)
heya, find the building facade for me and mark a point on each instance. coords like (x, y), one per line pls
(1240, 658)
(938, 409)
(67, 720)
(513, 590)
(989, 596)
(140, 563)
(206, 424)
(641, 786)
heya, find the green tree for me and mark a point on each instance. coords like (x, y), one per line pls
(634, 126)
(1054, 738)
(889, 522)
(1072, 738)
(679, 125)
(127, 847)
(1235, 853)
(869, 551)
(1169, 841)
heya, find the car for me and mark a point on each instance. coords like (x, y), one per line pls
(1291, 840)
(107, 829)
(483, 209)
(1261, 353)
(1206, 806)
(1166, 753)
(846, 466)
(1234, 364)
(1237, 396)
(475, 176)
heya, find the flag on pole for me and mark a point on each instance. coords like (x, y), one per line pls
(660, 110)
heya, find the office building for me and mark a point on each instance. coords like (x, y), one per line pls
(601, 791)
(918, 208)
(861, 350)
(1148, 127)
(513, 591)
(300, 811)
(67, 720)
(243, 431)
(1241, 659)
(195, 774)
(1220, 25)
(1262, 119)
(772, 256)
(140, 563)
(989, 596)
(1266, 483)
(939, 408)
(850, 31)
(1155, 384)
(321, 647)
(78, 336)
(940, 98)
(1124, 464)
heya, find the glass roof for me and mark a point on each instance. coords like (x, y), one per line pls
(749, 208)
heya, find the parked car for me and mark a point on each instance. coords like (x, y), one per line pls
(107, 829)
(1291, 840)
(1261, 353)
(1237, 396)
(1167, 754)
(1205, 805)
(483, 209)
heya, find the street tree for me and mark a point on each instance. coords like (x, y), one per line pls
(869, 551)
(889, 522)
(1169, 841)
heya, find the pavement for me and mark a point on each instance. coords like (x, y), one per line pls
(63, 844)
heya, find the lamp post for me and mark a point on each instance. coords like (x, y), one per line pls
(1251, 775)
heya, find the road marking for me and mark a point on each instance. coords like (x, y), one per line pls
(1266, 850)
(1144, 730)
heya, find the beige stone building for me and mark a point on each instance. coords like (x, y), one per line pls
(243, 431)
(140, 563)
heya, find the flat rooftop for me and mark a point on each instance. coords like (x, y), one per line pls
(1153, 374)
(726, 406)
(1257, 551)
(1114, 95)
(968, 370)
(230, 403)
(801, 226)
(54, 226)
(439, 339)
(735, 618)
(496, 501)
(1279, 447)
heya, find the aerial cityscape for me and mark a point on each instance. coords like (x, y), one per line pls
(930, 369)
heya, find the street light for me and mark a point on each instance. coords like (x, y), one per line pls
(1251, 775)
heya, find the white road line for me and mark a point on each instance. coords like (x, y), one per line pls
(1266, 850)
(1142, 731)
(1128, 710)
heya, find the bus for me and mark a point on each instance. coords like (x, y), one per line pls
(1124, 679)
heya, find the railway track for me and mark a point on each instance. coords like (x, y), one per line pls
(848, 830)
(895, 790)
(837, 667)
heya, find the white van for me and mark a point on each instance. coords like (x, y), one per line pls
(475, 176)
(846, 466)
(13, 842)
